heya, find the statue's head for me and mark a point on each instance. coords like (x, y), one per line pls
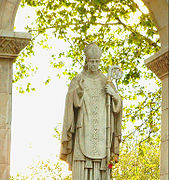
(93, 54)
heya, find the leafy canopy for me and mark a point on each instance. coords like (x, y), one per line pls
(123, 30)
(126, 34)
(134, 164)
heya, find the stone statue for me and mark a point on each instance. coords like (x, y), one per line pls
(84, 143)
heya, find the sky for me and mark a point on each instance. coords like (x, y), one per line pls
(36, 114)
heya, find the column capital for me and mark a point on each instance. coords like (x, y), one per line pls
(159, 63)
(11, 43)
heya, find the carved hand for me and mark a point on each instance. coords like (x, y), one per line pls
(80, 89)
(119, 138)
(111, 92)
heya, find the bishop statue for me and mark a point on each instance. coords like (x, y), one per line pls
(92, 125)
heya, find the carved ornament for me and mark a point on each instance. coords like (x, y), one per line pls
(11, 46)
(160, 65)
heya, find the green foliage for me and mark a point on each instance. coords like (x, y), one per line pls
(135, 163)
(126, 34)
(44, 170)
(138, 163)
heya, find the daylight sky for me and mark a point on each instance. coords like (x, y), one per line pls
(36, 114)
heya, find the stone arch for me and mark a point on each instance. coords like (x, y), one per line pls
(8, 10)
(159, 13)
(157, 63)
(158, 10)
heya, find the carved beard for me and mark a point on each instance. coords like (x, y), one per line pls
(92, 67)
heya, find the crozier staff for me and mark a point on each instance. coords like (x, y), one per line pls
(114, 72)
(84, 135)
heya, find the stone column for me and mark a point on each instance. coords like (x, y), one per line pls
(159, 64)
(10, 45)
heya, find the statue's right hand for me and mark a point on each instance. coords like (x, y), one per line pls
(80, 90)
(81, 84)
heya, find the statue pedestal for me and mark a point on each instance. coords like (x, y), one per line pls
(10, 45)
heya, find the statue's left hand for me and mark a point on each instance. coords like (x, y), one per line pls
(111, 92)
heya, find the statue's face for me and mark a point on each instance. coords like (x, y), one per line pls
(93, 64)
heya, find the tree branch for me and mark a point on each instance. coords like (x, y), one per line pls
(75, 24)
(137, 33)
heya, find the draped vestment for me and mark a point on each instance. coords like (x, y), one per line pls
(83, 143)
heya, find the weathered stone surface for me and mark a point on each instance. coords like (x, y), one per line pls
(11, 43)
(158, 10)
(164, 162)
(164, 125)
(8, 10)
(159, 13)
(164, 36)
(5, 139)
(4, 171)
(21, 35)
(5, 110)
(159, 63)
(165, 92)
(92, 121)
(164, 176)
(164, 168)
(5, 76)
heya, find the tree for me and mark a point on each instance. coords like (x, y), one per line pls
(135, 163)
(138, 163)
(44, 170)
(125, 32)
(107, 22)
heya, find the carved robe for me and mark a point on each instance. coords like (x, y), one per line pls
(83, 144)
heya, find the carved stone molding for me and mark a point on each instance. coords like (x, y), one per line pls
(12, 43)
(10, 47)
(159, 65)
